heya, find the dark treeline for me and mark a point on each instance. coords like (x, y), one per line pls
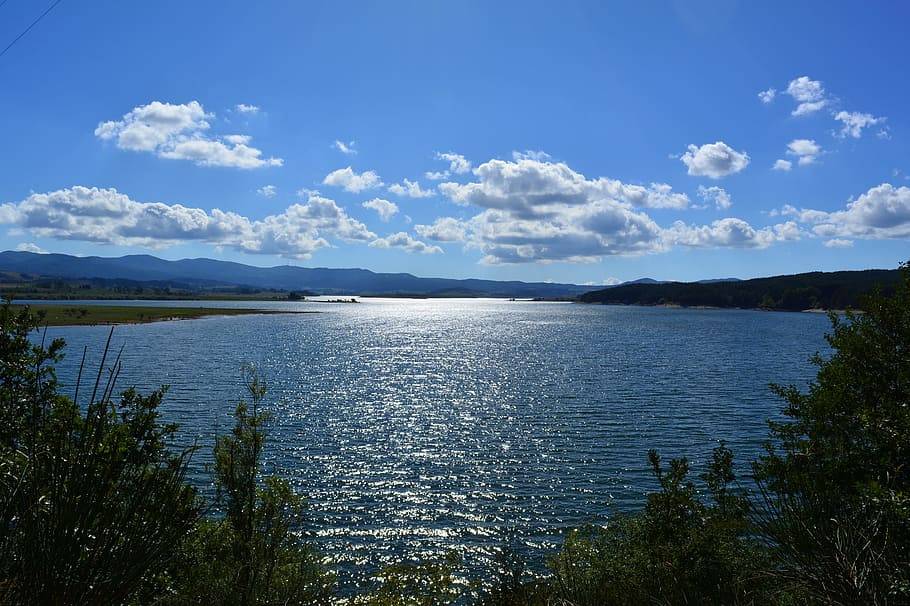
(816, 290)
(95, 507)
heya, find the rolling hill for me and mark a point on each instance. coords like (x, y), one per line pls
(209, 274)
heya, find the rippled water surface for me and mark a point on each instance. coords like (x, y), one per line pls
(417, 426)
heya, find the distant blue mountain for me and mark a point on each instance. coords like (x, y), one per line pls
(210, 273)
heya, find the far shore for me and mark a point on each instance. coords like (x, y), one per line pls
(814, 310)
(94, 315)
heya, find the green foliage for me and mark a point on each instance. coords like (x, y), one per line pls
(678, 550)
(91, 501)
(836, 478)
(251, 555)
(428, 583)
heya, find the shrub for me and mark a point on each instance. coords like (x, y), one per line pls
(251, 555)
(836, 477)
(92, 502)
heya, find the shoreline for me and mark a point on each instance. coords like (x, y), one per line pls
(815, 310)
(112, 315)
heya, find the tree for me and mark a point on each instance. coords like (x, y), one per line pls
(250, 556)
(836, 475)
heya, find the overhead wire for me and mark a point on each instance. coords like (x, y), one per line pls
(29, 28)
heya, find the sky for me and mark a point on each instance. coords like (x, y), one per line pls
(585, 142)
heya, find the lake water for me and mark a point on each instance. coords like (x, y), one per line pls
(418, 426)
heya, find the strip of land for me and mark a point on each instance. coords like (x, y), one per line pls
(81, 315)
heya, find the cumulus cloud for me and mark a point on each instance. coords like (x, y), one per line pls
(267, 191)
(714, 160)
(458, 164)
(348, 148)
(530, 154)
(805, 150)
(107, 216)
(540, 211)
(384, 208)
(767, 96)
(730, 232)
(350, 181)
(855, 122)
(444, 229)
(838, 243)
(407, 243)
(809, 94)
(179, 132)
(437, 175)
(715, 195)
(882, 212)
(781, 164)
(528, 187)
(245, 108)
(411, 189)
(30, 247)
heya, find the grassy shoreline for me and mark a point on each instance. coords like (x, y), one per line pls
(91, 315)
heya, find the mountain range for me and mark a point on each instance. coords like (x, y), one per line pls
(211, 274)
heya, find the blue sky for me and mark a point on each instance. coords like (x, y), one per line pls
(570, 141)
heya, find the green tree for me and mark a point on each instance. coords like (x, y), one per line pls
(92, 502)
(251, 555)
(836, 475)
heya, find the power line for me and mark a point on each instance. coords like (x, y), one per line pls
(28, 29)
(2, 3)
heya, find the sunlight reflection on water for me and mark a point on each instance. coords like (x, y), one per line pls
(414, 427)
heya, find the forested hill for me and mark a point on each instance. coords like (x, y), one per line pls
(834, 290)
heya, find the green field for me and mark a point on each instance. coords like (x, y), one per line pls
(66, 315)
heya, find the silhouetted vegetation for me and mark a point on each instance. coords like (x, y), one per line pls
(816, 290)
(95, 508)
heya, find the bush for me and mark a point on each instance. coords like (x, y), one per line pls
(92, 501)
(836, 478)
(678, 550)
(251, 555)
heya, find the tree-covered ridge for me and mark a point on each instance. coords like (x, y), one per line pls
(797, 292)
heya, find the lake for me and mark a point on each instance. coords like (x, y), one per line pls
(418, 426)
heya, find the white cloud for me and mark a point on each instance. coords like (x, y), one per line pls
(714, 160)
(730, 232)
(245, 108)
(411, 189)
(781, 164)
(436, 175)
(30, 247)
(715, 195)
(386, 209)
(882, 212)
(407, 243)
(530, 154)
(348, 148)
(535, 211)
(808, 93)
(839, 243)
(267, 191)
(178, 132)
(529, 187)
(350, 181)
(806, 150)
(767, 96)
(444, 229)
(458, 164)
(855, 122)
(106, 216)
